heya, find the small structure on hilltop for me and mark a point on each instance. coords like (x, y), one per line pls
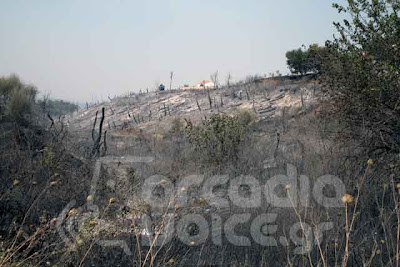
(204, 84)
(161, 87)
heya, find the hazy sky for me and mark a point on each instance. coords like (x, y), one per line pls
(88, 49)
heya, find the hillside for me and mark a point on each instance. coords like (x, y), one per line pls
(153, 112)
(149, 128)
(258, 175)
(273, 170)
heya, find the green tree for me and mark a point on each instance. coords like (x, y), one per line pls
(297, 61)
(302, 61)
(16, 99)
(361, 74)
(316, 54)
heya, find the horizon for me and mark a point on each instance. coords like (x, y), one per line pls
(85, 52)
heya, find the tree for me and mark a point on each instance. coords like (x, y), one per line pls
(361, 74)
(297, 61)
(316, 54)
(302, 61)
(16, 99)
(170, 81)
(214, 79)
(228, 80)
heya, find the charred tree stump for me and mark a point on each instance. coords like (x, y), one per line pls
(97, 140)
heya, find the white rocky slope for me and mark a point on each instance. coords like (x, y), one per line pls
(152, 112)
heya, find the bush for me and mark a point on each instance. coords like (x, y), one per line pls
(361, 75)
(17, 99)
(217, 139)
(361, 79)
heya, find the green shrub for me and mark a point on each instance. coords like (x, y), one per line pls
(361, 74)
(17, 99)
(176, 127)
(217, 139)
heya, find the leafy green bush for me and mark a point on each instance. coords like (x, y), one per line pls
(17, 99)
(217, 139)
(361, 78)
(176, 127)
(361, 74)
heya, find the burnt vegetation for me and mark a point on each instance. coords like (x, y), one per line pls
(67, 180)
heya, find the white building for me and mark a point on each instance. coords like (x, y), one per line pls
(204, 84)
